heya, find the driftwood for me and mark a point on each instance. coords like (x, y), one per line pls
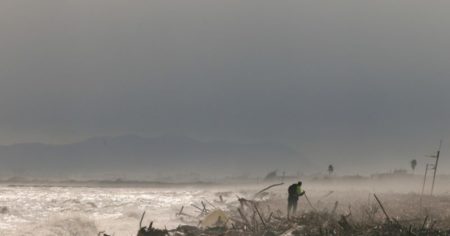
(265, 189)
(142, 218)
(335, 208)
(209, 203)
(182, 213)
(102, 233)
(244, 218)
(198, 208)
(205, 210)
(150, 231)
(259, 214)
(309, 202)
(252, 221)
(382, 208)
(424, 222)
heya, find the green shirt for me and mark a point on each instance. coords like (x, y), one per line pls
(299, 190)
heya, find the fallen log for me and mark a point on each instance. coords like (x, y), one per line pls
(259, 214)
(382, 208)
(265, 189)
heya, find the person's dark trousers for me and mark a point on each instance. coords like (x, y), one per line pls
(292, 205)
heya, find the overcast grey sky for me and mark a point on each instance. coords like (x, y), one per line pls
(359, 81)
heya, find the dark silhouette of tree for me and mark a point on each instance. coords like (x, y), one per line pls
(330, 169)
(413, 165)
(271, 175)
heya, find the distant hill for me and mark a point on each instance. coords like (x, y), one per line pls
(143, 156)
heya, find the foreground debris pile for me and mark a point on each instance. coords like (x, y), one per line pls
(312, 223)
(256, 218)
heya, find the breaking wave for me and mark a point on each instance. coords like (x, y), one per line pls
(72, 226)
(84, 211)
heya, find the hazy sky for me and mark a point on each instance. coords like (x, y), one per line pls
(359, 81)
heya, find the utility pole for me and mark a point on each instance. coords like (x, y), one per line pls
(424, 179)
(427, 167)
(438, 153)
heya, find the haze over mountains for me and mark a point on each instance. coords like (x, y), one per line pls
(133, 156)
(362, 85)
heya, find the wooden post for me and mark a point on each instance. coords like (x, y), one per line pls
(435, 166)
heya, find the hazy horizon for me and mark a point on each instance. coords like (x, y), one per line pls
(160, 157)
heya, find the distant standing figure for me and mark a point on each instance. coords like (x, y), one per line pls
(295, 191)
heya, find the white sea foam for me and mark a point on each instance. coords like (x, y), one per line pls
(86, 210)
(82, 211)
(65, 226)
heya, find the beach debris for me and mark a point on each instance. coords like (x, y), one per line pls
(214, 219)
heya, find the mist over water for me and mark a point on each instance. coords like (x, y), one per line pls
(40, 210)
(46, 209)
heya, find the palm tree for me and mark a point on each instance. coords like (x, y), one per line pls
(330, 170)
(413, 165)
